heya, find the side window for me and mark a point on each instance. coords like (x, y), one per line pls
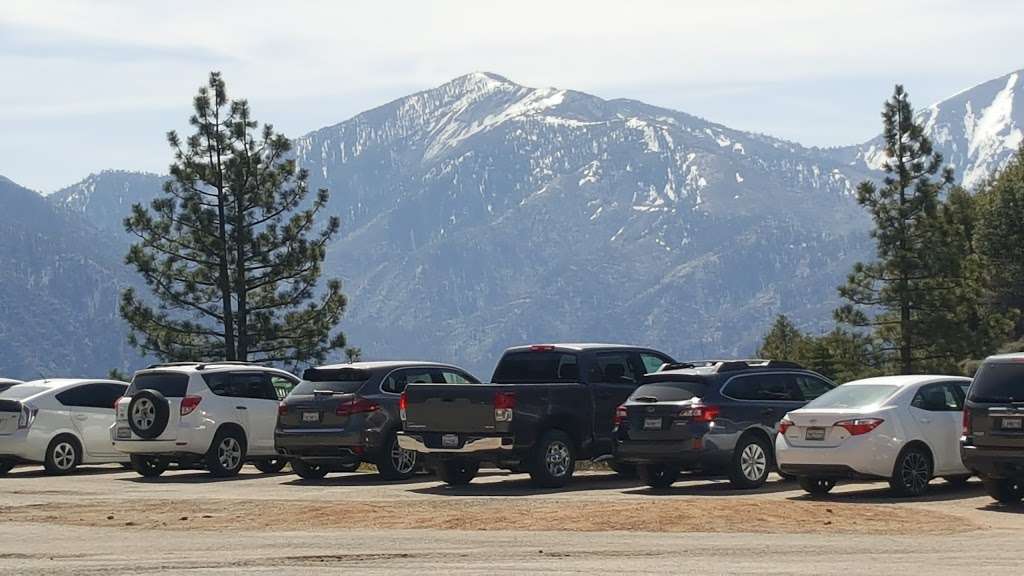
(615, 368)
(937, 398)
(765, 387)
(282, 386)
(811, 387)
(452, 377)
(242, 385)
(652, 362)
(395, 382)
(92, 396)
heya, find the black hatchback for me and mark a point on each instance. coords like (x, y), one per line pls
(342, 415)
(715, 417)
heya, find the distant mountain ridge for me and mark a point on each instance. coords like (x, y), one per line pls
(482, 213)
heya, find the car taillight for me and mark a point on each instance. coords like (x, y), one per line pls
(967, 422)
(785, 424)
(620, 415)
(282, 409)
(859, 426)
(356, 406)
(189, 404)
(700, 413)
(116, 400)
(504, 406)
(27, 416)
(403, 401)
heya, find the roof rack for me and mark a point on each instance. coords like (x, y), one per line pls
(201, 365)
(734, 365)
(170, 364)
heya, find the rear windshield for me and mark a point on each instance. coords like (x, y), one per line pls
(854, 396)
(22, 391)
(338, 380)
(671, 391)
(170, 384)
(536, 366)
(998, 382)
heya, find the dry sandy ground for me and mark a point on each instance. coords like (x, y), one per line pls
(107, 521)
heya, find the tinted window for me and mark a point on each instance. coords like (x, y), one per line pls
(998, 382)
(396, 382)
(811, 387)
(282, 386)
(91, 396)
(169, 384)
(339, 380)
(541, 366)
(936, 398)
(457, 377)
(854, 396)
(652, 363)
(674, 391)
(241, 385)
(615, 368)
(764, 387)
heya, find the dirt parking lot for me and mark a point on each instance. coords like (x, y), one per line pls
(110, 521)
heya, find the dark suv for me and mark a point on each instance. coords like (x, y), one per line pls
(345, 414)
(992, 445)
(713, 417)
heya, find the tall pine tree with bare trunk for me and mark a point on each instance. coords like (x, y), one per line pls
(233, 250)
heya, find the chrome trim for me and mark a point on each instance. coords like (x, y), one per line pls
(407, 442)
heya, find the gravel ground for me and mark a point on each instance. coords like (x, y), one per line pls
(109, 521)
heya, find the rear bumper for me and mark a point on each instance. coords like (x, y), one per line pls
(826, 471)
(691, 454)
(299, 441)
(432, 444)
(23, 446)
(993, 462)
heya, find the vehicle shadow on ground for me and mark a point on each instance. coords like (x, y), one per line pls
(937, 492)
(196, 477)
(521, 486)
(713, 487)
(355, 479)
(994, 506)
(34, 472)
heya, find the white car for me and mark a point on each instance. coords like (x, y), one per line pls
(905, 429)
(59, 423)
(6, 383)
(216, 416)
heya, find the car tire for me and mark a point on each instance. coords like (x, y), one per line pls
(148, 466)
(624, 469)
(395, 462)
(912, 472)
(958, 481)
(63, 455)
(658, 475)
(347, 467)
(553, 460)
(308, 470)
(270, 465)
(457, 472)
(6, 466)
(1004, 490)
(816, 486)
(148, 413)
(751, 462)
(226, 455)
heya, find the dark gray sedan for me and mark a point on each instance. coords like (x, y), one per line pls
(344, 414)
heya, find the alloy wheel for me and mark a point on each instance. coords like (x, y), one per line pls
(229, 453)
(404, 461)
(914, 472)
(753, 462)
(64, 456)
(143, 414)
(557, 459)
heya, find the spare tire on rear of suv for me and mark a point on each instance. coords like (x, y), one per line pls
(148, 412)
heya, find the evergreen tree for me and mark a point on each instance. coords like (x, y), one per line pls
(784, 341)
(844, 355)
(232, 251)
(900, 284)
(1000, 237)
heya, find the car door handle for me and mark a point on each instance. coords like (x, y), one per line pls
(240, 408)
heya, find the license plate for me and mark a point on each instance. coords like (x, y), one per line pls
(1012, 423)
(124, 434)
(814, 434)
(310, 416)
(449, 440)
(652, 423)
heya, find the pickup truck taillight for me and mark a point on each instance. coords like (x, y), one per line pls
(504, 406)
(967, 422)
(403, 401)
(620, 415)
(356, 406)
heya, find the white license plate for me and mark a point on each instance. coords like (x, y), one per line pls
(124, 434)
(1012, 423)
(814, 434)
(652, 423)
(449, 440)
(310, 416)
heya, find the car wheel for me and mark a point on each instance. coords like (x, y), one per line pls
(659, 475)
(6, 466)
(958, 481)
(1005, 490)
(347, 467)
(816, 486)
(308, 470)
(227, 453)
(912, 473)
(148, 466)
(395, 462)
(457, 472)
(148, 413)
(750, 462)
(554, 460)
(270, 465)
(62, 455)
(624, 469)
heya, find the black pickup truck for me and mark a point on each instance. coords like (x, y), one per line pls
(547, 406)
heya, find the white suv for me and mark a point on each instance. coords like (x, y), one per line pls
(216, 415)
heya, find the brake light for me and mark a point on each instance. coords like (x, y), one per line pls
(785, 424)
(859, 426)
(967, 422)
(356, 406)
(282, 409)
(700, 413)
(189, 404)
(542, 348)
(403, 401)
(504, 406)
(620, 415)
(27, 416)
(116, 400)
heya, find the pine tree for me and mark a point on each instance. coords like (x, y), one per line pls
(232, 251)
(1000, 237)
(900, 283)
(784, 341)
(844, 355)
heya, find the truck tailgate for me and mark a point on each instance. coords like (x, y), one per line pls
(463, 408)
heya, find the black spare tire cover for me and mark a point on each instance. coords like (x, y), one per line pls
(147, 413)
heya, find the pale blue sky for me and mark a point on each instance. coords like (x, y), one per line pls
(94, 85)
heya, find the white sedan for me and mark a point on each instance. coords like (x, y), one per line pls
(59, 423)
(905, 429)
